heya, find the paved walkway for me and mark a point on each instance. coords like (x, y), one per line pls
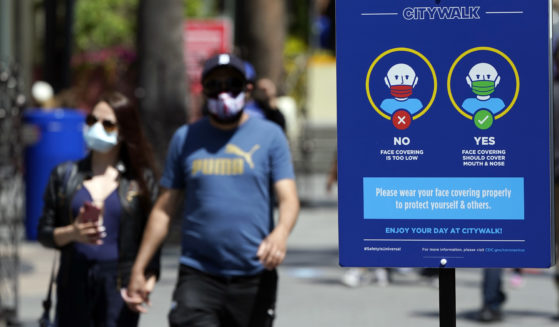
(310, 293)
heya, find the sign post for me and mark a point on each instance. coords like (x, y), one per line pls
(444, 134)
(447, 297)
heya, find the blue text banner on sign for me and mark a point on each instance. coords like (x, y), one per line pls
(443, 198)
(444, 133)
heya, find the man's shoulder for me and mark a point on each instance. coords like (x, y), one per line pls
(183, 130)
(265, 131)
(263, 125)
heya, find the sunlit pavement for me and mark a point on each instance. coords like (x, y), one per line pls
(311, 293)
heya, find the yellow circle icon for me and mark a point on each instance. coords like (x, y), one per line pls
(387, 52)
(500, 53)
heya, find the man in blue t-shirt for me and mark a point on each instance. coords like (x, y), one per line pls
(224, 169)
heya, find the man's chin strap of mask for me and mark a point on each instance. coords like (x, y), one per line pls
(226, 108)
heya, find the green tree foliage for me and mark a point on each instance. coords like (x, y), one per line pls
(105, 23)
(193, 8)
(200, 8)
(296, 56)
(299, 19)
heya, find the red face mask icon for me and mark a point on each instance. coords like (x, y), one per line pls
(401, 91)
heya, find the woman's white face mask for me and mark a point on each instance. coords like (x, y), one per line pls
(98, 139)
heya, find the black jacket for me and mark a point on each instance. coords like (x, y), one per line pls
(57, 213)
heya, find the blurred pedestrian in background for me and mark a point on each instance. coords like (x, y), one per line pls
(265, 96)
(516, 280)
(493, 295)
(262, 98)
(225, 164)
(98, 247)
(359, 276)
(332, 174)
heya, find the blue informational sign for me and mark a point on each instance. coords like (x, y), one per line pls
(444, 133)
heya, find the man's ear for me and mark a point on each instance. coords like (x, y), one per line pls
(415, 81)
(469, 80)
(386, 81)
(498, 80)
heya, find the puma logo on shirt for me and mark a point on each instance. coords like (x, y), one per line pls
(233, 149)
(225, 166)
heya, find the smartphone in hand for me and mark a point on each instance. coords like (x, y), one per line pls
(91, 213)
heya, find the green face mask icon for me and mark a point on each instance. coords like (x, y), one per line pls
(483, 87)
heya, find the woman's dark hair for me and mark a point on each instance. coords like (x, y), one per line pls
(135, 151)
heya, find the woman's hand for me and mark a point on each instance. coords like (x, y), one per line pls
(78, 231)
(136, 295)
(87, 232)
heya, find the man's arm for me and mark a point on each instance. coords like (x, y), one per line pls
(273, 248)
(156, 230)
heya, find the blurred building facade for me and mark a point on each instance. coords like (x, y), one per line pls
(15, 74)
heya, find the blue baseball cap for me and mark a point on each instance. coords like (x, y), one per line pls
(223, 60)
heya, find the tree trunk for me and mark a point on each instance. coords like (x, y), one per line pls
(260, 34)
(162, 91)
(59, 21)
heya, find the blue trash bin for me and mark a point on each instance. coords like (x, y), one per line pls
(56, 136)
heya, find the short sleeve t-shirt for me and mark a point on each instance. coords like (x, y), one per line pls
(227, 178)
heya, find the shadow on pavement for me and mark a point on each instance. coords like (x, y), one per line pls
(508, 314)
(471, 315)
(311, 258)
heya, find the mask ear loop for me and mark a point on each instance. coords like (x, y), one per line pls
(469, 80)
(416, 79)
(497, 80)
(387, 82)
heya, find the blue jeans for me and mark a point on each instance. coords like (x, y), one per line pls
(493, 295)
